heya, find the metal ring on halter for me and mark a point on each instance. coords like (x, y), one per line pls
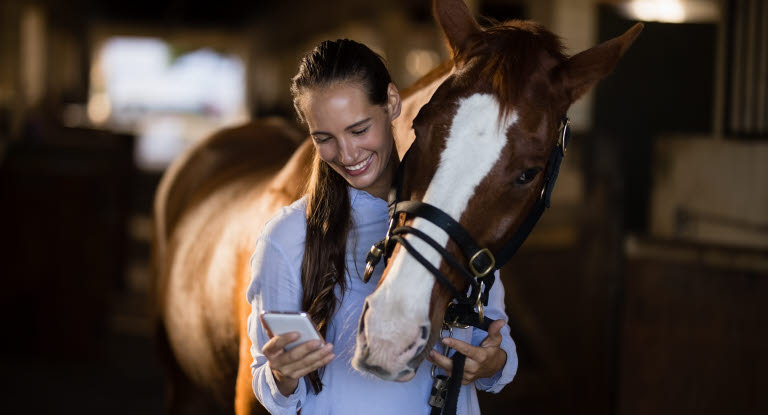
(479, 301)
(390, 226)
(446, 349)
(563, 131)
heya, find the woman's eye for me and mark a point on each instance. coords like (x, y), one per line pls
(360, 132)
(527, 176)
(321, 140)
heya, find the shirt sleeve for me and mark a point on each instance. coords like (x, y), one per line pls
(495, 311)
(275, 286)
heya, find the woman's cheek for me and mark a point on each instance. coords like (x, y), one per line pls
(326, 153)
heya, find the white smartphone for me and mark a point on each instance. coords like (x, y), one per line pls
(279, 322)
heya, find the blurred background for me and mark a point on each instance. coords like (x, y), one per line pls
(643, 290)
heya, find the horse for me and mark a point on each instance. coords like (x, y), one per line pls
(480, 128)
(482, 143)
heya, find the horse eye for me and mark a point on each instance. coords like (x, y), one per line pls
(527, 176)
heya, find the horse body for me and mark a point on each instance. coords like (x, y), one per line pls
(209, 209)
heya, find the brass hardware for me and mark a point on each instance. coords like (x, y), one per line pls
(485, 272)
(368, 272)
(373, 258)
(479, 302)
(563, 130)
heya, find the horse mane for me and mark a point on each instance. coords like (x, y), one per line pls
(522, 43)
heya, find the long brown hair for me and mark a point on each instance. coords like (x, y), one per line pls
(328, 210)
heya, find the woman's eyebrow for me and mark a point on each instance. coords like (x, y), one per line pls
(357, 124)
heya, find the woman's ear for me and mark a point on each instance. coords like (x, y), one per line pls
(393, 101)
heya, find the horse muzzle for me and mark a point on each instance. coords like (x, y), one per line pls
(389, 347)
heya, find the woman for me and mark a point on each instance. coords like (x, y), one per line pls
(311, 255)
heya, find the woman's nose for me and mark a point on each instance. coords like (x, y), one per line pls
(347, 152)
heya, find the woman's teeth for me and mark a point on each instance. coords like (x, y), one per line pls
(360, 165)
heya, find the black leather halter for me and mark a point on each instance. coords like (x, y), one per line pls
(478, 271)
(481, 262)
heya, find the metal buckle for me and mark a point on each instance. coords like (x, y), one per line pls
(563, 131)
(485, 272)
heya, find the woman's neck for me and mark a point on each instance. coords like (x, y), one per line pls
(381, 189)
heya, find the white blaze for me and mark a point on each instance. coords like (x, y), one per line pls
(472, 148)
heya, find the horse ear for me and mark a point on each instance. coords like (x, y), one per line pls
(456, 21)
(582, 71)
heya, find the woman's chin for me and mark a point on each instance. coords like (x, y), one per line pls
(363, 181)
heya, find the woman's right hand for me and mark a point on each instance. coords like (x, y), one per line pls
(288, 366)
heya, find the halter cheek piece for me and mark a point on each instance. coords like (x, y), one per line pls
(482, 263)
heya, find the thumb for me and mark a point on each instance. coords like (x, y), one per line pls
(494, 333)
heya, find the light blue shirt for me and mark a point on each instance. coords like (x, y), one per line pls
(276, 286)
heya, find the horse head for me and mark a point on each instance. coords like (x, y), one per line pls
(483, 143)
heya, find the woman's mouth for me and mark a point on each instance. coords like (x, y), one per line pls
(359, 168)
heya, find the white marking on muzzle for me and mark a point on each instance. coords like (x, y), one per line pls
(472, 148)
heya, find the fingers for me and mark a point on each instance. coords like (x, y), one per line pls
(297, 353)
(470, 366)
(470, 372)
(275, 345)
(494, 334)
(315, 359)
(441, 361)
(266, 326)
(472, 352)
(301, 360)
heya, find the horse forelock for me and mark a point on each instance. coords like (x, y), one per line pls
(509, 57)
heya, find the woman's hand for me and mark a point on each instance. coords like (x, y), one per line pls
(288, 366)
(482, 361)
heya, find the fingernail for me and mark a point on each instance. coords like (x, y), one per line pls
(447, 341)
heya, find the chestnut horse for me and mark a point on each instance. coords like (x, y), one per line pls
(482, 144)
(483, 125)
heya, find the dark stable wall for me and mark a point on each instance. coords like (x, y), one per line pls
(664, 84)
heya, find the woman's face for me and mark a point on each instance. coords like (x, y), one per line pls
(352, 135)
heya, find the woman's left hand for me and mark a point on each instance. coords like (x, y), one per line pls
(482, 361)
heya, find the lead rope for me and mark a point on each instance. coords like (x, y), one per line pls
(440, 383)
(444, 396)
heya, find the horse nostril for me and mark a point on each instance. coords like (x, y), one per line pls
(362, 319)
(424, 332)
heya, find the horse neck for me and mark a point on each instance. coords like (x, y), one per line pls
(413, 98)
